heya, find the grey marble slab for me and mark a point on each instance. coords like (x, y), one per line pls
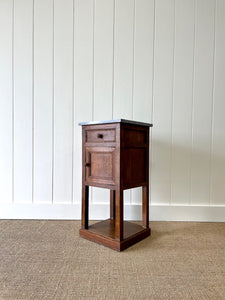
(116, 121)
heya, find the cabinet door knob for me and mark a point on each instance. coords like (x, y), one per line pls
(100, 136)
(87, 165)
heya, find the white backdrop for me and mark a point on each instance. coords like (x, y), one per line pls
(65, 61)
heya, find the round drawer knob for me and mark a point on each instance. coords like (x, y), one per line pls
(100, 136)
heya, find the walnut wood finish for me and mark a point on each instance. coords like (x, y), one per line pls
(112, 204)
(115, 155)
(104, 233)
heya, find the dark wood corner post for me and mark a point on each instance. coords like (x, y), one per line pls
(112, 204)
(145, 190)
(85, 189)
(85, 206)
(145, 206)
(119, 215)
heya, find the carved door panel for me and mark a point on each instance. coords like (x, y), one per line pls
(100, 165)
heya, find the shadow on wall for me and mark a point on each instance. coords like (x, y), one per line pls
(182, 175)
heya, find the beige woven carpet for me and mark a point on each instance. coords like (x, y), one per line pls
(48, 260)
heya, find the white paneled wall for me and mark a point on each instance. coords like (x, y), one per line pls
(182, 101)
(163, 101)
(43, 101)
(23, 88)
(66, 61)
(217, 186)
(6, 103)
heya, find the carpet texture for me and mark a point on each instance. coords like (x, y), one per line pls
(48, 260)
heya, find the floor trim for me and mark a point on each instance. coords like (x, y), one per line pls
(101, 212)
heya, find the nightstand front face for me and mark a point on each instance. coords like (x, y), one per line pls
(101, 155)
(99, 163)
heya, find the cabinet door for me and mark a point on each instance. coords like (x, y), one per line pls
(100, 165)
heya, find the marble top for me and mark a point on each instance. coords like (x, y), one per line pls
(116, 121)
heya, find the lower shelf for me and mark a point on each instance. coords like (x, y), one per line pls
(104, 233)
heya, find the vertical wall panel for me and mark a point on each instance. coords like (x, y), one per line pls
(143, 65)
(6, 27)
(83, 84)
(43, 99)
(123, 65)
(162, 105)
(202, 105)
(103, 71)
(23, 66)
(143, 60)
(63, 102)
(103, 58)
(182, 101)
(218, 141)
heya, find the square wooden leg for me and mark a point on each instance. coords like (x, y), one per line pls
(145, 206)
(119, 215)
(85, 204)
(115, 232)
(112, 204)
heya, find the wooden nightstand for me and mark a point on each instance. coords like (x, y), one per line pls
(115, 155)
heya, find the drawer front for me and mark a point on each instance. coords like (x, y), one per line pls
(99, 165)
(100, 136)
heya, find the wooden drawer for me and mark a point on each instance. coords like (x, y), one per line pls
(100, 135)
